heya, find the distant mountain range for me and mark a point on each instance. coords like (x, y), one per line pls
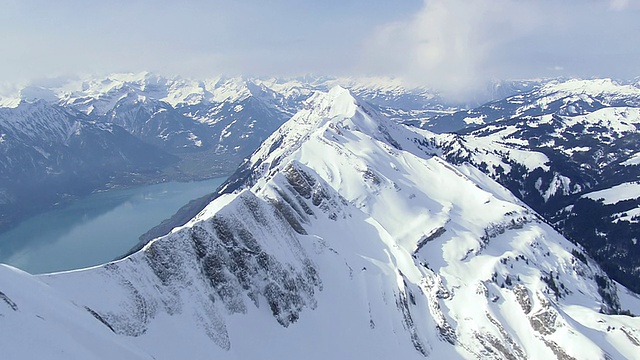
(561, 97)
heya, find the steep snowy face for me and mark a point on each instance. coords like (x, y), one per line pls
(322, 112)
(344, 238)
(39, 120)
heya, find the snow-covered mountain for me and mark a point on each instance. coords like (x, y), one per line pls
(341, 237)
(221, 118)
(209, 125)
(561, 149)
(561, 97)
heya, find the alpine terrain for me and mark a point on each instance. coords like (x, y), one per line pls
(571, 151)
(49, 154)
(344, 235)
(63, 138)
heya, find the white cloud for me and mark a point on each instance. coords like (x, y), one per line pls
(451, 43)
(619, 4)
(459, 45)
(455, 45)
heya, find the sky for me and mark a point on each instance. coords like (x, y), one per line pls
(452, 45)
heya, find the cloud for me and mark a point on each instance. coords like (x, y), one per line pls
(619, 4)
(458, 46)
(454, 45)
(191, 37)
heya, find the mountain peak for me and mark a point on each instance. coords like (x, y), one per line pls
(337, 102)
(593, 87)
(342, 102)
(328, 115)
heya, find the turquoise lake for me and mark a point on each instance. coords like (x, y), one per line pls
(96, 229)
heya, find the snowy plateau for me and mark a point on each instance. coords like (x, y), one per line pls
(343, 236)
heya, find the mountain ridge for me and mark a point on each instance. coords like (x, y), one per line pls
(552, 158)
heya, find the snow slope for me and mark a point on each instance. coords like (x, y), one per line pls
(626, 191)
(345, 238)
(556, 145)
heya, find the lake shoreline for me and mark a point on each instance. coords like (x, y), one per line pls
(67, 199)
(42, 243)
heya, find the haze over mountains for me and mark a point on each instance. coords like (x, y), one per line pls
(349, 231)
